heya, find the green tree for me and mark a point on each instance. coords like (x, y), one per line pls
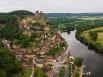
(7, 19)
(78, 61)
(9, 66)
(25, 43)
(10, 32)
(1, 44)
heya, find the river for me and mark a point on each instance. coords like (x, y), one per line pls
(92, 60)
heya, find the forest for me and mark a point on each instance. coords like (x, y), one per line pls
(80, 25)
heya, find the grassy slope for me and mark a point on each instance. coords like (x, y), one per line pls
(100, 38)
(85, 34)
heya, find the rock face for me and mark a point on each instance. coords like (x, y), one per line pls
(42, 39)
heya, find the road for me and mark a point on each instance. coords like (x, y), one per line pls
(58, 65)
(61, 59)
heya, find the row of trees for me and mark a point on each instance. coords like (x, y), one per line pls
(83, 25)
(93, 35)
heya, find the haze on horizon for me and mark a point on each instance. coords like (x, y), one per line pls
(54, 6)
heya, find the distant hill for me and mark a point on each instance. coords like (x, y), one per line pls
(72, 14)
(21, 12)
(26, 12)
(11, 17)
(18, 13)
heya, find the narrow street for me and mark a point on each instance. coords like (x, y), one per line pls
(32, 73)
(60, 63)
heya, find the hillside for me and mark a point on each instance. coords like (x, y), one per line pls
(21, 12)
(33, 41)
(31, 37)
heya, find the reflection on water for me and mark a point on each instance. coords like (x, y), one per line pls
(92, 60)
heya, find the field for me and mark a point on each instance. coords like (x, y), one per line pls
(91, 18)
(85, 34)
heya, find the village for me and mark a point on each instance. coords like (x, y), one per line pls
(51, 38)
(48, 50)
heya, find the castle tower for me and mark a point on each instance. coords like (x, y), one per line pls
(36, 13)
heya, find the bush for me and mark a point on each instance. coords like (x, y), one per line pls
(38, 72)
(78, 61)
(62, 72)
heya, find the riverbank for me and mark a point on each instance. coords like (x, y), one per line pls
(85, 38)
(92, 60)
(73, 63)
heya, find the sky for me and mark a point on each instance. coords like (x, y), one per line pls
(50, 6)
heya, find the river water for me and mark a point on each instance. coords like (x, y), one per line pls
(92, 60)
